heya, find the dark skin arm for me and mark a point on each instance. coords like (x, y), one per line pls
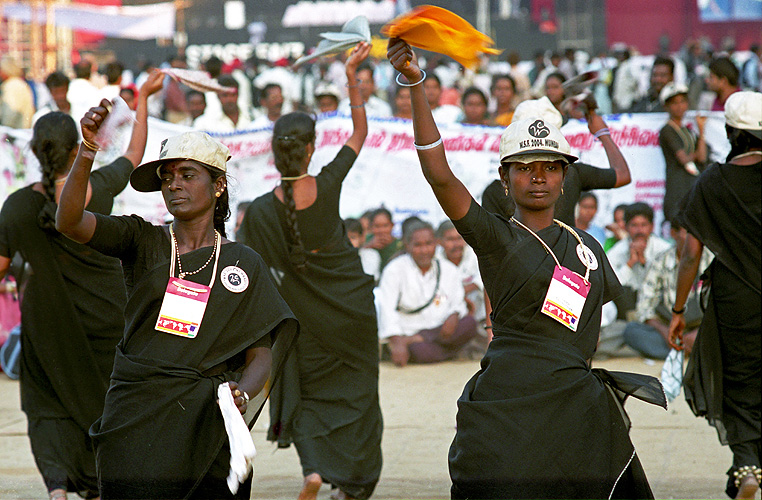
(690, 260)
(254, 377)
(451, 194)
(359, 120)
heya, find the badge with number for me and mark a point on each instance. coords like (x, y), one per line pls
(566, 297)
(234, 279)
(183, 308)
(587, 257)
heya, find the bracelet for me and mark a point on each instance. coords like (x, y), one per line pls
(246, 396)
(602, 132)
(488, 327)
(358, 106)
(90, 145)
(678, 311)
(347, 85)
(747, 470)
(423, 77)
(428, 146)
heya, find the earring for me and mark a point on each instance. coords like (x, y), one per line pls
(562, 190)
(506, 190)
(218, 194)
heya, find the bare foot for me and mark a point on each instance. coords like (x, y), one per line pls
(312, 484)
(338, 494)
(58, 494)
(748, 488)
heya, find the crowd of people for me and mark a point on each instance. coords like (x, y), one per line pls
(312, 302)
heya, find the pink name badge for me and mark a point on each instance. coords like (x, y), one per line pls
(182, 308)
(566, 297)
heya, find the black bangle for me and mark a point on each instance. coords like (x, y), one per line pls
(678, 311)
(488, 327)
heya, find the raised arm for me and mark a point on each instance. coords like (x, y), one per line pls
(452, 195)
(690, 260)
(72, 219)
(596, 125)
(356, 105)
(137, 145)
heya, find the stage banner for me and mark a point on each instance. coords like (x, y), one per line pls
(387, 172)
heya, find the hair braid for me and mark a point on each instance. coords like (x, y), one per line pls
(291, 135)
(55, 136)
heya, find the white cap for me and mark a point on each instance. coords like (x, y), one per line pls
(743, 110)
(534, 137)
(196, 146)
(538, 108)
(327, 88)
(670, 90)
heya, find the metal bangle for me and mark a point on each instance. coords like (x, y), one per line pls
(601, 132)
(347, 85)
(357, 106)
(428, 146)
(246, 396)
(423, 77)
(678, 311)
(89, 145)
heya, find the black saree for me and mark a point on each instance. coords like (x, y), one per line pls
(162, 434)
(327, 401)
(536, 421)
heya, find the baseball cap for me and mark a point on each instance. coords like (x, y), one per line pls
(197, 146)
(538, 108)
(670, 90)
(327, 88)
(536, 139)
(743, 110)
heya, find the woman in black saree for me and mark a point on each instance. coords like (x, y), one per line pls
(723, 380)
(201, 311)
(535, 421)
(327, 401)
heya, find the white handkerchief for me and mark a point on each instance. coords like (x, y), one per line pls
(242, 450)
(672, 374)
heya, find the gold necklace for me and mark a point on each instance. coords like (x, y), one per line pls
(182, 274)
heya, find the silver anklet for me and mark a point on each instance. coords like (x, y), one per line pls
(747, 470)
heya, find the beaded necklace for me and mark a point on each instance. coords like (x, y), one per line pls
(182, 274)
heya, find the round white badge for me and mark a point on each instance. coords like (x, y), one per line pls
(234, 279)
(587, 257)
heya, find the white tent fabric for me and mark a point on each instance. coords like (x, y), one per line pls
(336, 12)
(134, 22)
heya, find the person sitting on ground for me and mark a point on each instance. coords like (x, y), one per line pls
(587, 207)
(616, 227)
(453, 247)
(631, 256)
(421, 303)
(649, 335)
(370, 258)
(381, 226)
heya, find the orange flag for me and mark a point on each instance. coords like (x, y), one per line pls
(439, 30)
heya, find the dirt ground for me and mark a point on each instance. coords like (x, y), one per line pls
(680, 453)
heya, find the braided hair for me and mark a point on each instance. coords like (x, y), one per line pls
(222, 208)
(54, 137)
(291, 135)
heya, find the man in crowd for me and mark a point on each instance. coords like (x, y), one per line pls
(82, 94)
(16, 97)
(231, 117)
(374, 106)
(443, 113)
(421, 303)
(722, 80)
(453, 248)
(662, 72)
(57, 84)
(631, 256)
(327, 96)
(271, 103)
(113, 74)
(648, 335)
(196, 103)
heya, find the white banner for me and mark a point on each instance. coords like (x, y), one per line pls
(387, 172)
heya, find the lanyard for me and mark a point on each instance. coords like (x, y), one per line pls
(175, 257)
(547, 248)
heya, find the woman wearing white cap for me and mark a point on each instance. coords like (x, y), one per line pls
(535, 421)
(723, 211)
(201, 311)
(685, 152)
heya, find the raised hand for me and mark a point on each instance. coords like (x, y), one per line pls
(357, 56)
(93, 119)
(403, 59)
(153, 84)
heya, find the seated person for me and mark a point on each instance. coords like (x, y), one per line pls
(618, 232)
(452, 247)
(631, 256)
(381, 238)
(421, 303)
(370, 259)
(648, 335)
(587, 207)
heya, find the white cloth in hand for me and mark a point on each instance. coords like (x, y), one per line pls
(672, 374)
(242, 450)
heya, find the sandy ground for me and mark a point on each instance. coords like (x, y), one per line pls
(680, 453)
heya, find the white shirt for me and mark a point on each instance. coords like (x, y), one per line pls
(619, 254)
(446, 113)
(219, 122)
(470, 275)
(403, 286)
(82, 96)
(371, 262)
(375, 107)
